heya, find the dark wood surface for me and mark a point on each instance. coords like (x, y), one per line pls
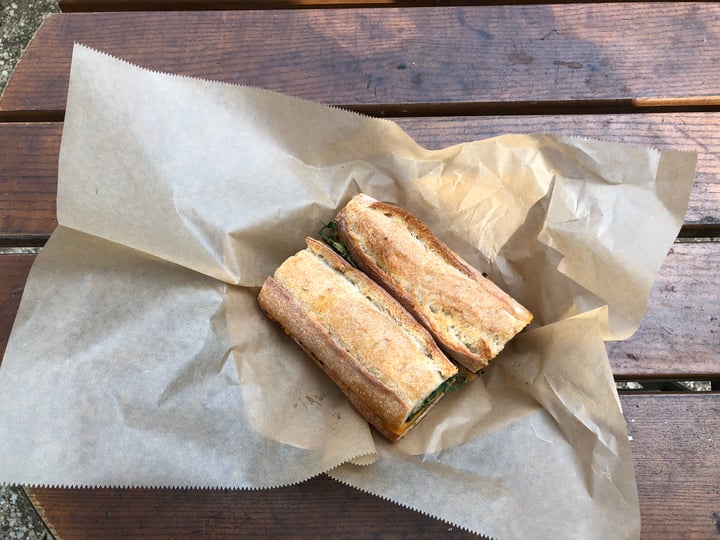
(29, 153)
(14, 270)
(639, 73)
(510, 58)
(675, 501)
(678, 337)
(28, 180)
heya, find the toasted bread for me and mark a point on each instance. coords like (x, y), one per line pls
(470, 316)
(385, 362)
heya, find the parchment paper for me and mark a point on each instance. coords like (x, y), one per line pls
(139, 356)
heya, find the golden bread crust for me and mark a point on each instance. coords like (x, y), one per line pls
(380, 357)
(470, 316)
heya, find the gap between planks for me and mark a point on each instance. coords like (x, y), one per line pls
(74, 6)
(475, 108)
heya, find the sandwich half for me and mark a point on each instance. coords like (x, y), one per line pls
(385, 362)
(470, 317)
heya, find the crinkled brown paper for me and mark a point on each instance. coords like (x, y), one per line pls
(139, 356)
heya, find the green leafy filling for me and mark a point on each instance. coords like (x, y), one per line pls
(453, 383)
(329, 235)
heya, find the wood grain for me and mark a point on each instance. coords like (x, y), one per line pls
(318, 508)
(450, 72)
(676, 450)
(577, 57)
(679, 336)
(28, 178)
(184, 5)
(14, 270)
(680, 333)
(29, 154)
(691, 132)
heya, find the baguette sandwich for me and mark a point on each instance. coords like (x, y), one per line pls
(469, 316)
(385, 362)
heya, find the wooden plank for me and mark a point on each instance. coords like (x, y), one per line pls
(191, 5)
(675, 446)
(693, 132)
(318, 508)
(678, 338)
(29, 153)
(68, 6)
(14, 270)
(490, 57)
(680, 333)
(28, 178)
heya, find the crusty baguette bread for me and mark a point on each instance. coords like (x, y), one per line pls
(386, 363)
(470, 316)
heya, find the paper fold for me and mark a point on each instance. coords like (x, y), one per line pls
(139, 356)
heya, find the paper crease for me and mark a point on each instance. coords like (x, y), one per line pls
(178, 196)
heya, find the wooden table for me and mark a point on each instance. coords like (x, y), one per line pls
(447, 73)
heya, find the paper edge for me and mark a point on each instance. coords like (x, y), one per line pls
(338, 108)
(177, 486)
(407, 506)
(79, 45)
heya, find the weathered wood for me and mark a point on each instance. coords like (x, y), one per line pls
(68, 6)
(490, 57)
(679, 337)
(318, 508)
(28, 179)
(694, 132)
(454, 73)
(14, 270)
(29, 154)
(676, 449)
(675, 446)
(184, 5)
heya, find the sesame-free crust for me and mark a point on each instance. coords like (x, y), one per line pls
(470, 316)
(384, 361)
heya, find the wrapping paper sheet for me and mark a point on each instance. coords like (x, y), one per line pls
(139, 356)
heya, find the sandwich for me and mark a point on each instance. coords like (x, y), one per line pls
(470, 317)
(384, 361)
